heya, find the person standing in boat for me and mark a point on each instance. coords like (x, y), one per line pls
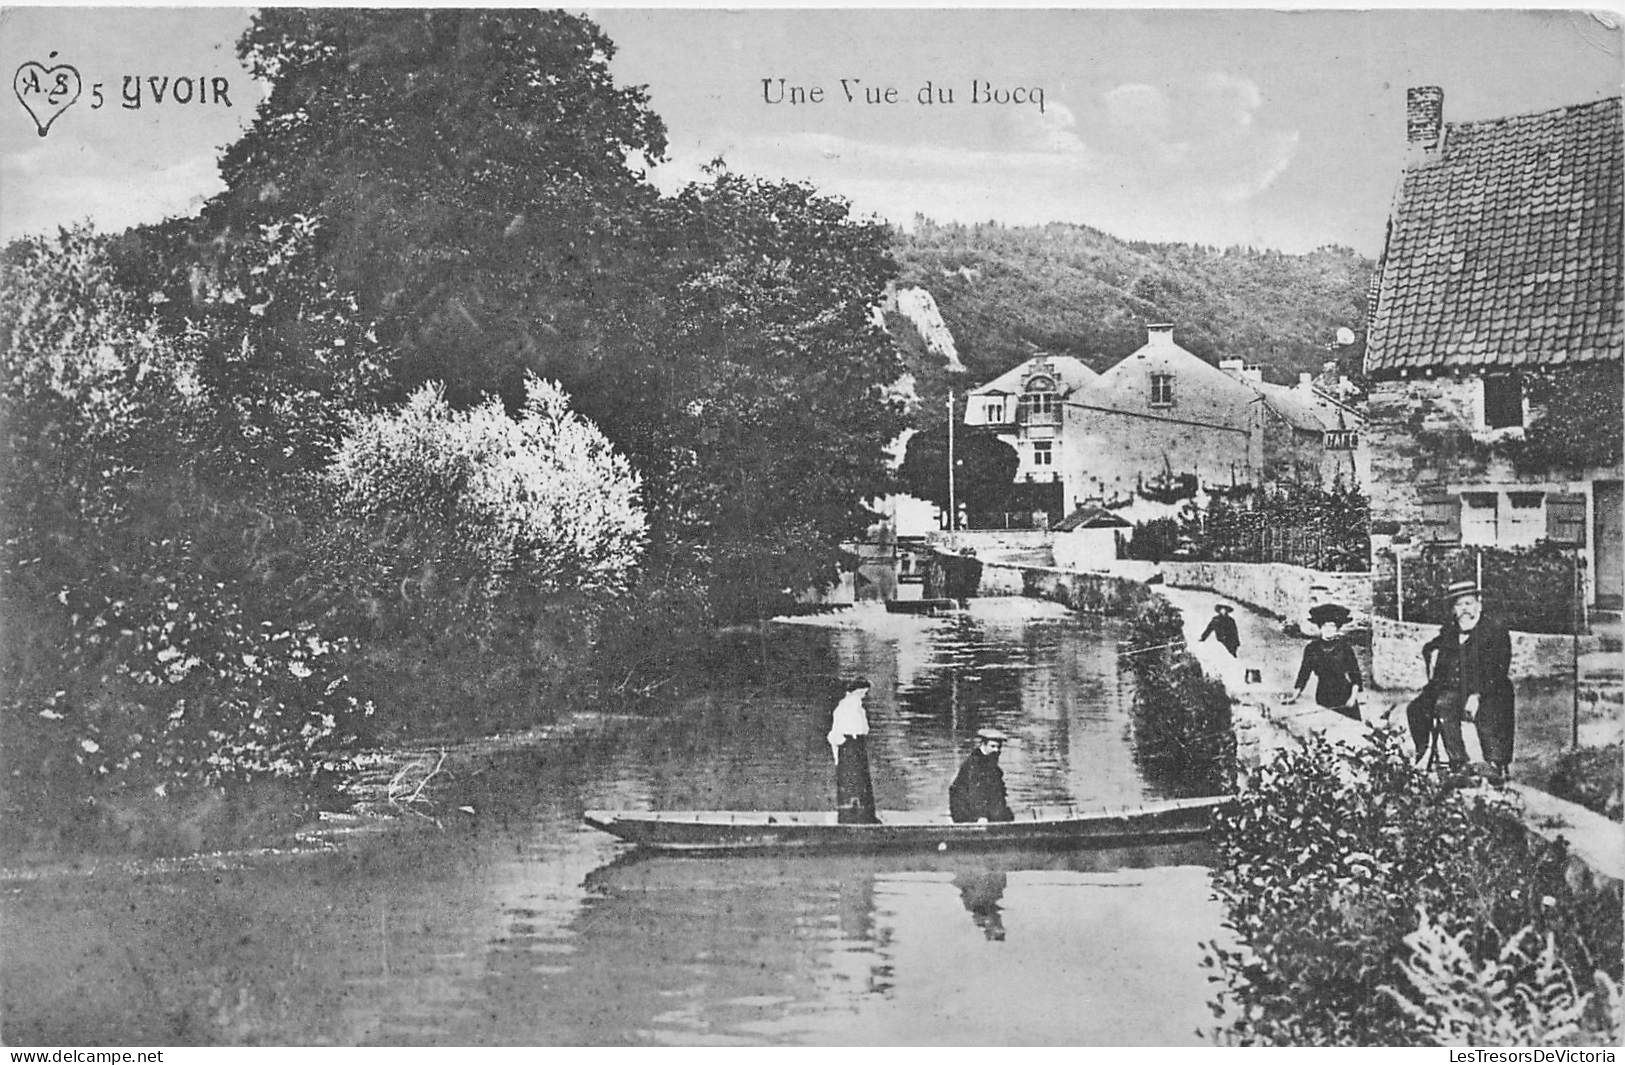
(849, 743)
(977, 793)
(1330, 660)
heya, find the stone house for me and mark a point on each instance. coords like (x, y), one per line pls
(1496, 334)
(1025, 408)
(1098, 438)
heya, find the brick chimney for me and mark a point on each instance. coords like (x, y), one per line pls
(1159, 332)
(1424, 116)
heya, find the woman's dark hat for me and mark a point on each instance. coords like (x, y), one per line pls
(1333, 612)
(1225, 607)
(1458, 589)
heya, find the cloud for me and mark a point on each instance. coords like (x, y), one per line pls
(41, 194)
(1195, 136)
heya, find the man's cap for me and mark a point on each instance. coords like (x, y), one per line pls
(1333, 612)
(992, 734)
(1458, 589)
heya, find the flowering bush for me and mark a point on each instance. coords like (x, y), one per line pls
(542, 501)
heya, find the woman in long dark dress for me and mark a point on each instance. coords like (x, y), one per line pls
(849, 742)
(1330, 660)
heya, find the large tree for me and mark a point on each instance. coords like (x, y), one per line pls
(475, 171)
(984, 468)
(783, 396)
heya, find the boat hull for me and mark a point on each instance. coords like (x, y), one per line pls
(790, 832)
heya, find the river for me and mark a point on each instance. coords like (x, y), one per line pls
(511, 923)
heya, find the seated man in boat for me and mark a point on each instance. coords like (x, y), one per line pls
(977, 793)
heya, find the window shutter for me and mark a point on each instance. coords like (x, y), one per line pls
(1566, 519)
(1441, 515)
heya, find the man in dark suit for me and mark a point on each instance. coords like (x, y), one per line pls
(1471, 682)
(977, 793)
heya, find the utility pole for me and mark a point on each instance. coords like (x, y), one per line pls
(953, 502)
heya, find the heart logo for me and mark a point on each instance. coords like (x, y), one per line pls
(46, 92)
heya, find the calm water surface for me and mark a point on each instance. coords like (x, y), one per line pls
(516, 925)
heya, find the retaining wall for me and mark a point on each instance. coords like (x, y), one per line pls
(1396, 653)
(1274, 587)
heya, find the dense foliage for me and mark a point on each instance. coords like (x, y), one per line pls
(1337, 863)
(1531, 589)
(1181, 716)
(1301, 525)
(1576, 415)
(475, 171)
(984, 469)
(481, 173)
(293, 460)
(150, 524)
(1072, 290)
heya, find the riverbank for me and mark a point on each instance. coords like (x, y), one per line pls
(1594, 839)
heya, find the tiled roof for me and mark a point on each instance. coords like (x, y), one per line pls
(1090, 517)
(1313, 413)
(1071, 371)
(1505, 246)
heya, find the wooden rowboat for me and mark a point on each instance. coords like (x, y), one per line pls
(701, 832)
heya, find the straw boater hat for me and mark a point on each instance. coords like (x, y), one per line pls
(1324, 612)
(1458, 589)
(992, 734)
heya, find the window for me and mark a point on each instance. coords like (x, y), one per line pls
(1043, 453)
(1039, 406)
(1162, 390)
(1479, 511)
(1503, 401)
(993, 411)
(1524, 520)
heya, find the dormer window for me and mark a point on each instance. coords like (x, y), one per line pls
(1162, 390)
(993, 411)
(1039, 402)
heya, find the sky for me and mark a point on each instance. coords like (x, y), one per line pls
(1268, 128)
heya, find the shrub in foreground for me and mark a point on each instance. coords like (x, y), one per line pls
(1325, 863)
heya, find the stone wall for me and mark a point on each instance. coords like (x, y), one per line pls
(1000, 578)
(1419, 435)
(1396, 653)
(1274, 587)
(1089, 593)
(993, 541)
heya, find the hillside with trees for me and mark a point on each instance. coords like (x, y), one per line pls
(1007, 291)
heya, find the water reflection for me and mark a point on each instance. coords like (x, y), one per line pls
(516, 925)
(980, 890)
(846, 950)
